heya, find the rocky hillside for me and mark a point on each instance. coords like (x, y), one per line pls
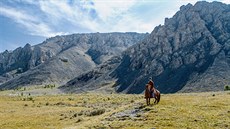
(61, 58)
(190, 52)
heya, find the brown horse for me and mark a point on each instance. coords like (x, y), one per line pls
(148, 95)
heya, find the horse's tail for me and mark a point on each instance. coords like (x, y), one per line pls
(159, 97)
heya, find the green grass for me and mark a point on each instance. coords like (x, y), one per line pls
(194, 110)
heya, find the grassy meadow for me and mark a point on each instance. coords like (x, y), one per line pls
(94, 110)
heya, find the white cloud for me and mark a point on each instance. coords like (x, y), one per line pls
(15, 14)
(76, 14)
(226, 1)
(31, 23)
(111, 9)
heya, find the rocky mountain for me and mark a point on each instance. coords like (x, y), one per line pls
(189, 53)
(61, 58)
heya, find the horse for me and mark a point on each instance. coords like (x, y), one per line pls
(148, 95)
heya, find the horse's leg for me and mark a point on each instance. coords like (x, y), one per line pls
(148, 101)
(158, 97)
(155, 99)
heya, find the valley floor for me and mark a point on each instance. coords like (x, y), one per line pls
(75, 111)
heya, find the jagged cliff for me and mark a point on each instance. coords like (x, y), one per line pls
(190, 52)
(61, 58)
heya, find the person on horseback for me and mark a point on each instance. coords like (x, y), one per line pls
(151, 92)
(153, 89)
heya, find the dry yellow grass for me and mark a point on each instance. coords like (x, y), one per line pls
(194, 110)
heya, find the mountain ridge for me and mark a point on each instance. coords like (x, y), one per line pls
(65, 55)
(181, 53)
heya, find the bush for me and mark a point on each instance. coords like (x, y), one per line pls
(71, 99)
(95, 112)
(226, 88)
(47, 104)
(62, 104)
(28, 99)
(49, 86)
(64, 60)
(79, 120)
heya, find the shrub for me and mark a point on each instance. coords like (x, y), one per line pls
(79, 120)
(49, 86)
(80, 113)
(95, 112)
(64, 60)
(71, 99)
(75, 115)
(226, 88)
(62, 104)
(47, 104)
(30, 98)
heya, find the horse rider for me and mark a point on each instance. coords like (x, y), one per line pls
(153, 89)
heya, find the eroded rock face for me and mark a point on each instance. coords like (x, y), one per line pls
(190, 52)
(94, 79)
(61, 58)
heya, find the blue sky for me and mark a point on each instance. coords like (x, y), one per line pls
(32, 21)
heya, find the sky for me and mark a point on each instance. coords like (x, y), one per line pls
(32, 21)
